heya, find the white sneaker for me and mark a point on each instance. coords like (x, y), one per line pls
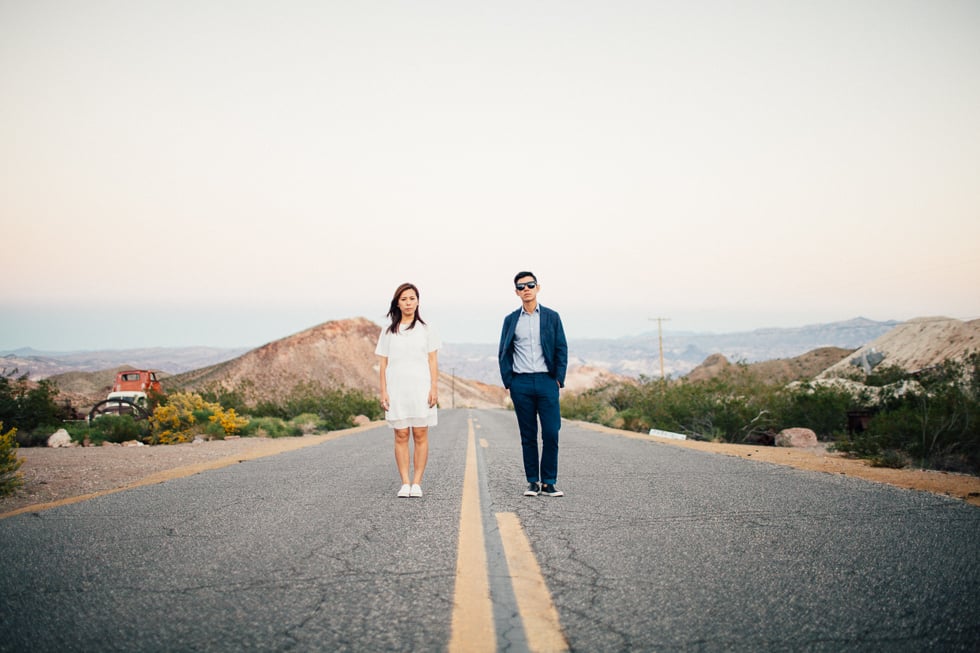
(406, 491)
(416, 491)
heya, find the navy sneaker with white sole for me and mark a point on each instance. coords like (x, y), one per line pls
(551, 490)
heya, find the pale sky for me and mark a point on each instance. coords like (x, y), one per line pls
(179, 173)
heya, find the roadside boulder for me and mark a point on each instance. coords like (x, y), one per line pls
(361, 420)
(60, 438)
(796, 437)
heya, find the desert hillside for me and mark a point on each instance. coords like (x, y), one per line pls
(913, 345)
(780, 370)
(917, 344)
(339, 352)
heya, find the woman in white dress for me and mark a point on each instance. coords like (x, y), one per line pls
(408, 349)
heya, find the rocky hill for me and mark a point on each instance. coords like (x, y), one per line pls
(88, 384)
(780, 370)
(334, 353)
(914, 345)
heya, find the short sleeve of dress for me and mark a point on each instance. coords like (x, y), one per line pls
(384, 344)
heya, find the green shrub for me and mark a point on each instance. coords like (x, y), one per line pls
(885, 375)
(108, 428)
(214, 431)
(336, 407)
(931, 418)
(308, 423)
(35, 438)
(117, 428)
(10, 476)
(818, 407)
(269, 408)
(271, 427)
(732, 407)
(29, 407)
(591, 406)
(891, 458)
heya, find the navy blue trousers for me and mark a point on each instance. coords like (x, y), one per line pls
(535, 396)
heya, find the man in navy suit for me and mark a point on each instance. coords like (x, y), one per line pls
(533, 357)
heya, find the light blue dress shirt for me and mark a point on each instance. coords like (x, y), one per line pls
(528, 355)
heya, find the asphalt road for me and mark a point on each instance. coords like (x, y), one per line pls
(653, 548)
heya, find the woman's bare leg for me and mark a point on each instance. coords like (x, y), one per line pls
(421, 436)
(401, 454)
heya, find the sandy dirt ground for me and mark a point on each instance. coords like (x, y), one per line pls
(55, 477)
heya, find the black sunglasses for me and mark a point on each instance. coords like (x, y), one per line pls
(530, 284)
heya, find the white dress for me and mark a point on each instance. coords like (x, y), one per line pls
(407, 375)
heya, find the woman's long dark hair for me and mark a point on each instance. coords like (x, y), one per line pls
(395, 313)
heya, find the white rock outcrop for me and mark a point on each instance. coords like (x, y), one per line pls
(796, 437)
(60, 438)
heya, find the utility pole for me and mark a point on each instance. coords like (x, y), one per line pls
(660, 339)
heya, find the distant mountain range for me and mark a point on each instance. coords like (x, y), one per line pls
(631, 356)
(634, 356)
(42, 364)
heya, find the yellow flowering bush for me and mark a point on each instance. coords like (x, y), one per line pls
(187, 415)
(10, 477)
(230, 421)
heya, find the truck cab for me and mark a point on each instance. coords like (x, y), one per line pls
(134, 386)
(143, 381)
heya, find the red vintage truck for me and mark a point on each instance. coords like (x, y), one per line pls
(130, 381)
(129, 395)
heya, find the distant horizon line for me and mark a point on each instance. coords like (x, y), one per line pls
(29, 349)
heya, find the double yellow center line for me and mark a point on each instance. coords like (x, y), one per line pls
(473, 628)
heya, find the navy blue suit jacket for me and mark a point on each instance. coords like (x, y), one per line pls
(552, 342)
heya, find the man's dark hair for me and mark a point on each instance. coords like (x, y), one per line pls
(525, 273)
